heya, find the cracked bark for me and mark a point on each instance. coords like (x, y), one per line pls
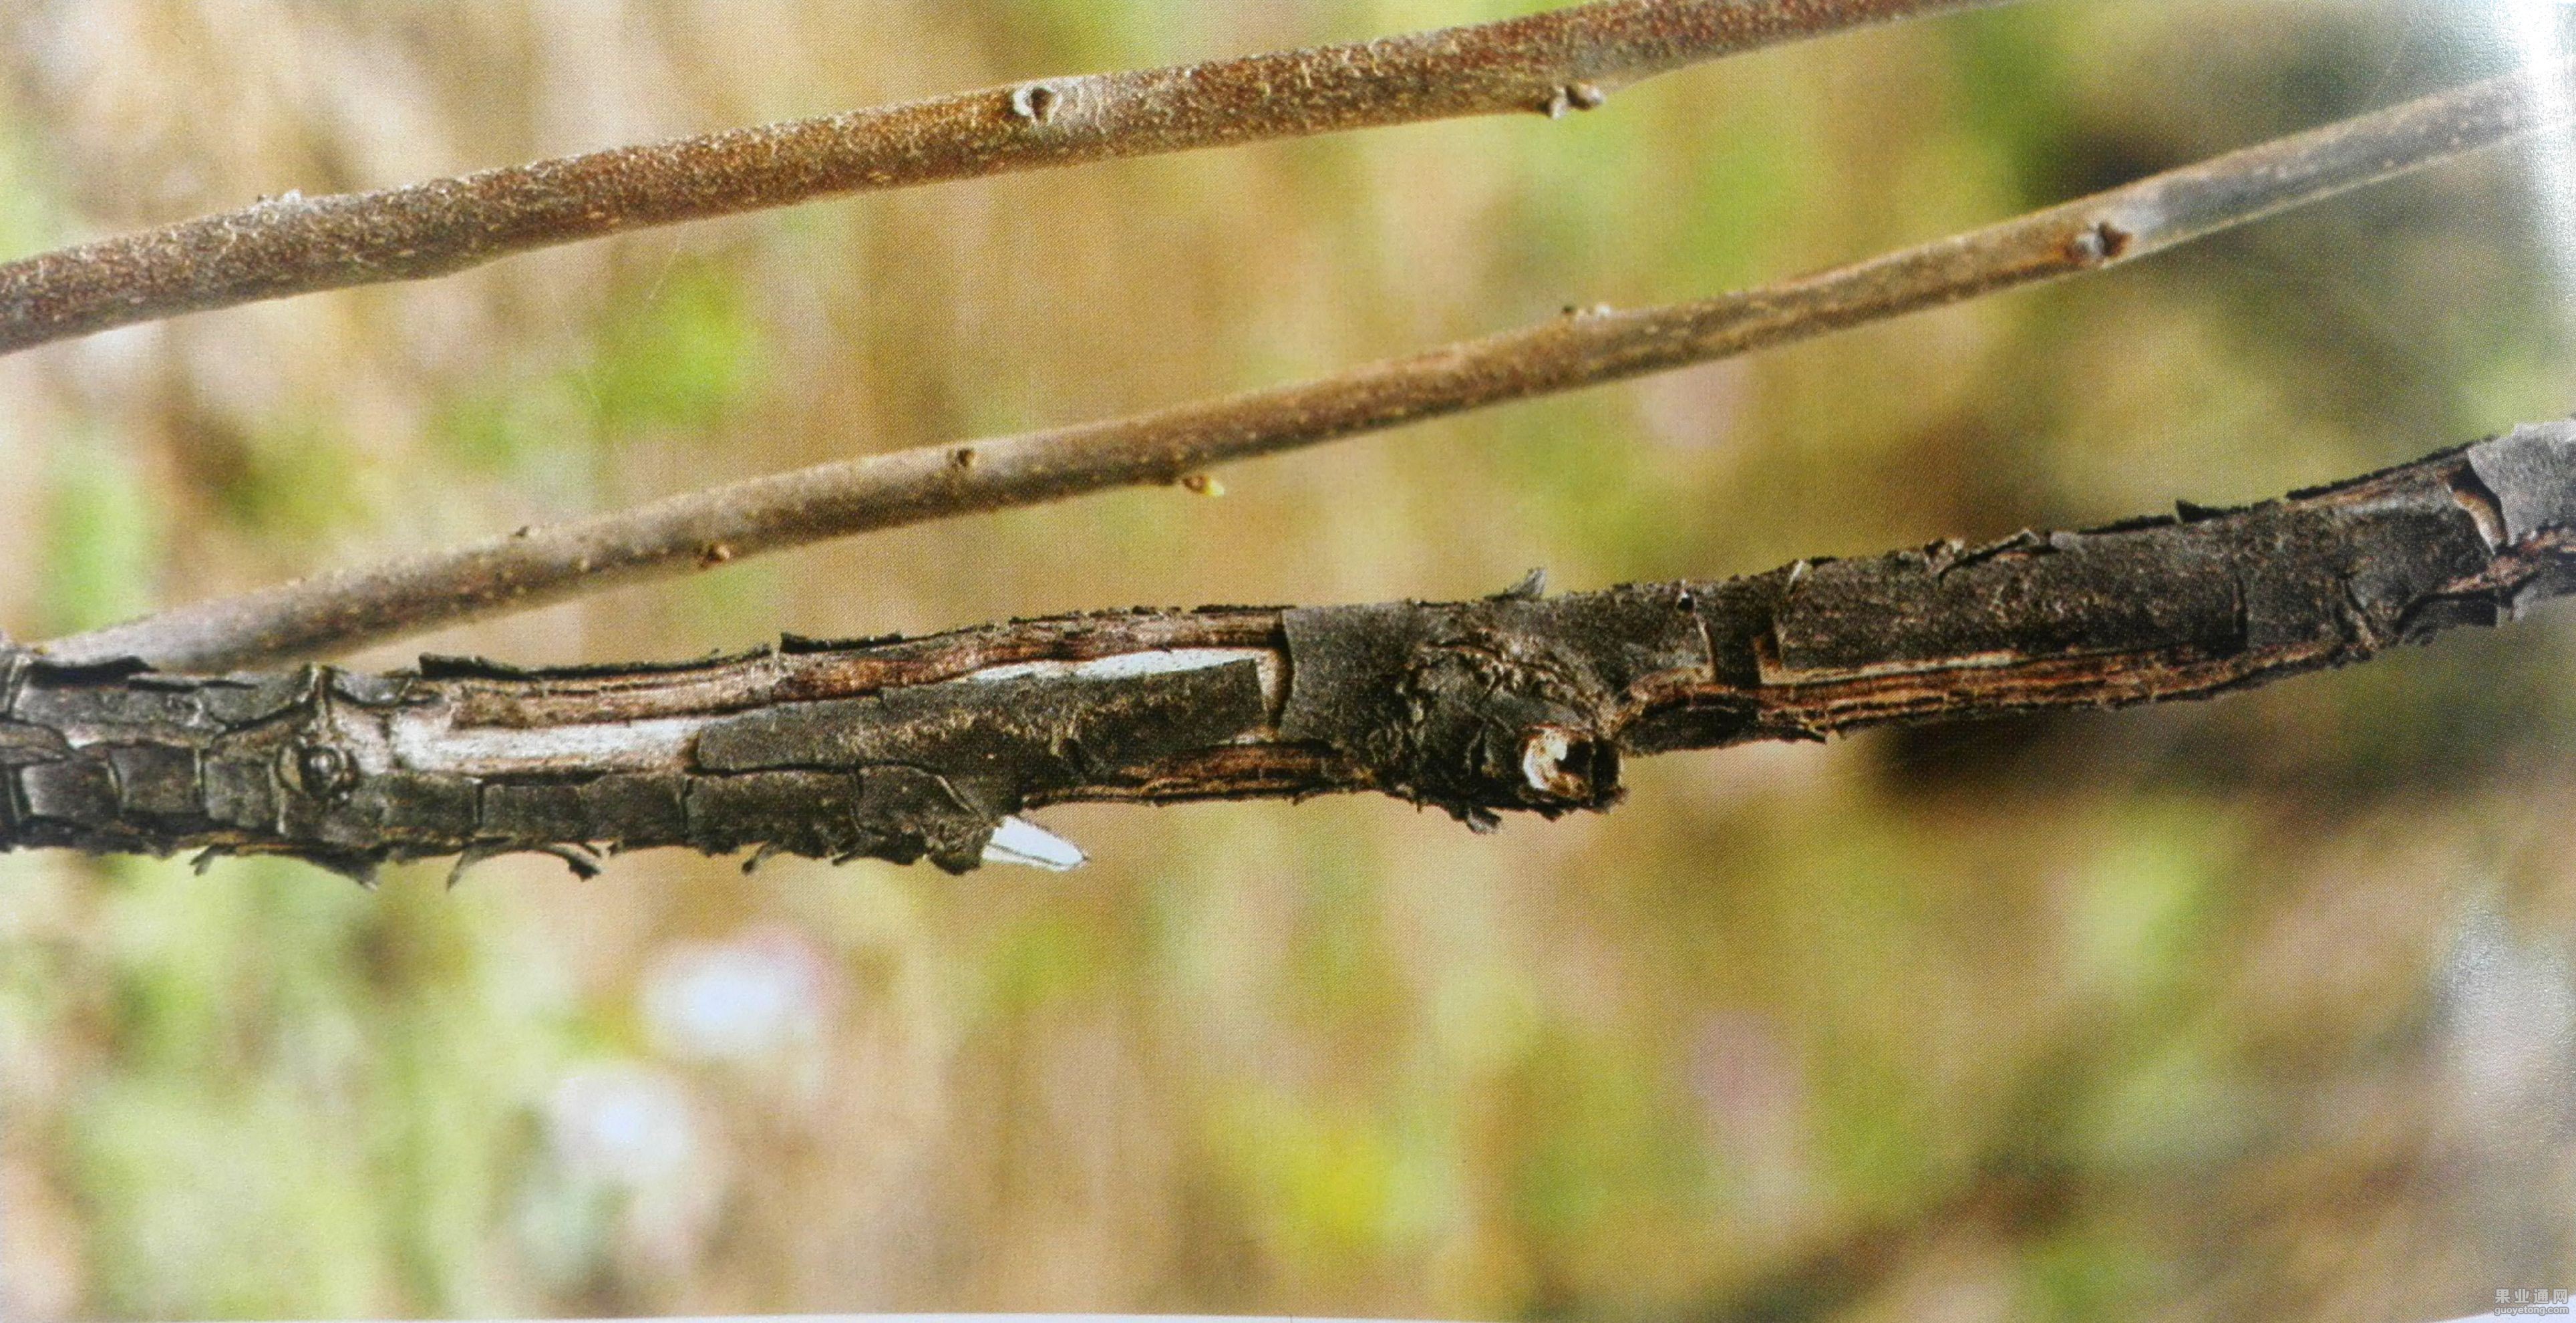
(905, 749)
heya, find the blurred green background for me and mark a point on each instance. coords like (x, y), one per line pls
(2254, 1008)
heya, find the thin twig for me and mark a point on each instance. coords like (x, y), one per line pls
(346, 608)
(1549, 62)
(907, 749)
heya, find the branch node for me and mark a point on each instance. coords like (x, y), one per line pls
(2100, 243)
(1573, 96)
(1566, 764)
(324, 771)
(1035, 102)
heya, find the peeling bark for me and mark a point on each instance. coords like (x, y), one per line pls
(906, 749)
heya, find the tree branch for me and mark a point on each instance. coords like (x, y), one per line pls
(904, 749)
(1550, 62)
(346, 608)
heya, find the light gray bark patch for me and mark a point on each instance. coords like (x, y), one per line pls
(2531, 472)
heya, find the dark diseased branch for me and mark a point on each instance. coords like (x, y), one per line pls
(1555, 61)
(346, 608)
(905, 749)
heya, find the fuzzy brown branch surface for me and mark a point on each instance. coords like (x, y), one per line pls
(1553, 62)
(906, 749)
(343, 609)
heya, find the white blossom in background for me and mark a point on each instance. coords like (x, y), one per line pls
(757, 997)
(633, 1176)
(621, 1124)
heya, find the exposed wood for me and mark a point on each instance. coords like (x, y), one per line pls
(924, 748)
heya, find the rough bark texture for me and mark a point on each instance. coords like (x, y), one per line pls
(906, 749)
(1551, 62)
(346, 608)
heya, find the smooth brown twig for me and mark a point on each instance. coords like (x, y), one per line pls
(1568, 59)
(346, 608)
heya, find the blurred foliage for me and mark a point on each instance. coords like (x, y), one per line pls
(2254, 1008)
